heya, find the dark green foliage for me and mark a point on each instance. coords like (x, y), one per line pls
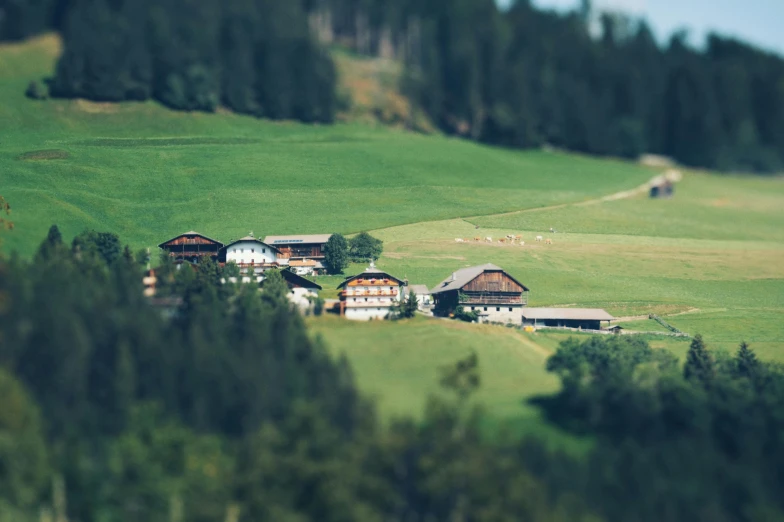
(227, 409)
(36, 91)
(336, 254)
(105, 245)
(747, 364)
(699, 362)
(469, 317)
(525, 77)
(255, 57)
(679, 449)
(364, 247)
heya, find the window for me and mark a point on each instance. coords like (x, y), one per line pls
(391, 287)
(498, 309)
(242, 251)
(252, 250)
(510, 308)
(485, 309)
(366, 299)
(355, 299)
(263, 250)
(473, 308)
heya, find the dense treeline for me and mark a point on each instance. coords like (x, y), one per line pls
(252, 56)
(523, 77)
(224, 408)
(527, 77)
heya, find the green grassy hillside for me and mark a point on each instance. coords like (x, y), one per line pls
(148, 173)
(709, 260)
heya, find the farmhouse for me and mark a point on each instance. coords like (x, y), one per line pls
(192, 247)
(298, 248)
(581, 318)
(251, 252)
(486, 289)
(369, 295)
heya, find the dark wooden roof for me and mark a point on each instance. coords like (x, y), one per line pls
(191, 233)
(298, 280)
(370, 273)
(464, 276)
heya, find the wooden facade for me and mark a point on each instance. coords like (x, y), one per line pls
(487, 290)
(192, 247)
(302, 251)
(369, 295)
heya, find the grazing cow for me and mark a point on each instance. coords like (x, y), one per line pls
(510, 237)
(548, 241)
(458, 240)
(539, 238)
(477, 239)
(502, 240)
(522, 243)
(489, 239)
(518, 237)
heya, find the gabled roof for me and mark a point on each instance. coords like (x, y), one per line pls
(465, 275)
(298, 280)
(191, 233)
(294, 240)
(567, 314)
(370, 273)
(419, 290)
(252, 239)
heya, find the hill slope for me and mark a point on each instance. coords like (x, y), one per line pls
(148, 173)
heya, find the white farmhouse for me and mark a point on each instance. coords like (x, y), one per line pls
(369, 295)
(252, 252)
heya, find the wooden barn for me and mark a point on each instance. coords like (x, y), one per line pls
(486, 289)
(300, 247)
(192, 247)
(579, 318)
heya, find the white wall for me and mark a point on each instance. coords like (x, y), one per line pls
(245, 252)
(367, 313)
(492, 315)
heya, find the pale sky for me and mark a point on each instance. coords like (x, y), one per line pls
(760, 22)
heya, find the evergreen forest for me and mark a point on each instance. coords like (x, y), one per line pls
(212, 402)
(592, 82)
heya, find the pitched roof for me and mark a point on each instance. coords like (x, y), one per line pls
(298, 280)
(191, 233)
(252, 239)
(289, 240)
(569, 314)
(465, 275)
(417, 289)
(370, 273)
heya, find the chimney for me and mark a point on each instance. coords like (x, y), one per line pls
(453, 278)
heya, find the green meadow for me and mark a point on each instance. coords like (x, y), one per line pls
(710, 260)
(148, 173)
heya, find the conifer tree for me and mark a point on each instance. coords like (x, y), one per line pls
(746, 361)
(699, 362)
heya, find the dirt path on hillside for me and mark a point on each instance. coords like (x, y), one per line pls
(624, 194)
(541, 350)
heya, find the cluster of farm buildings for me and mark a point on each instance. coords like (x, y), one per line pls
(487, 290)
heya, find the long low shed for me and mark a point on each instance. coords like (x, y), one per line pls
(583, 318)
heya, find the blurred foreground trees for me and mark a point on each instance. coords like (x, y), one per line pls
(212, 402)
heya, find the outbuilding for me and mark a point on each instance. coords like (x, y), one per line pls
(579, 318)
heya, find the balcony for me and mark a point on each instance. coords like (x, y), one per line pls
(369, 293)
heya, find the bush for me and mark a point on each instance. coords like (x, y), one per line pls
(36, 91)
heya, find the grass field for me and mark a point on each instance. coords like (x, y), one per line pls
(148, 173)
(711, 260)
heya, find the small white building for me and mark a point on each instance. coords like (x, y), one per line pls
(251, 252)
(422, 293)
